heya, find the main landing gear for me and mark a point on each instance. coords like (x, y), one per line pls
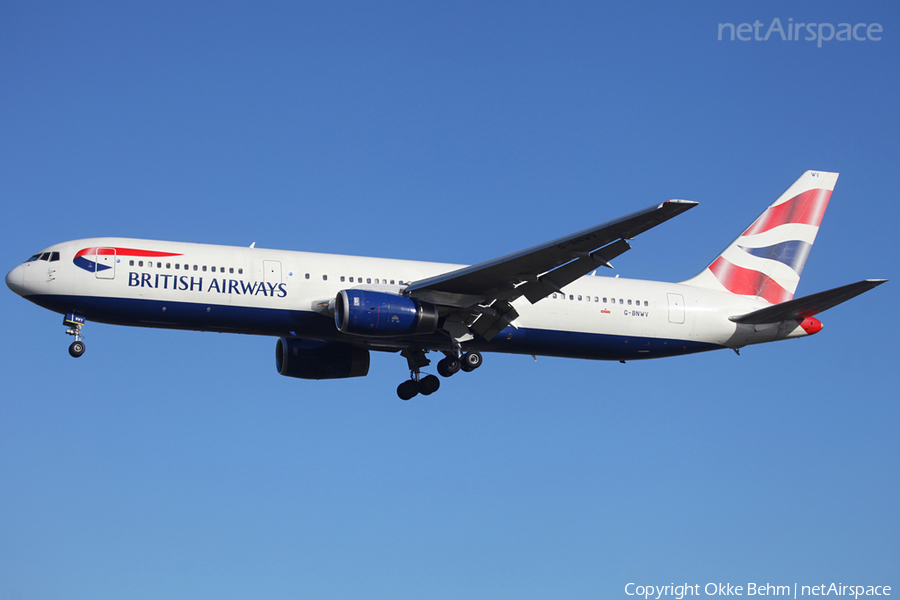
(425, 385)
(74, 324)
(429, 384)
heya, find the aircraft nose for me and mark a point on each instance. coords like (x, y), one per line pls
(15, 280)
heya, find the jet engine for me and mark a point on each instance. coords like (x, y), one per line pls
(311, 359)
(364, 312)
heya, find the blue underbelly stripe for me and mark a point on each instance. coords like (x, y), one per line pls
(307, 324)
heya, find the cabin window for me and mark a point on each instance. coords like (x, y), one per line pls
(204, 270)
(177, 266)
(231, 269)
(351, 280)
(646, 303)
(306, 276)
(368, 280)
(213, 269)
(140, 263)
(342, 279)
(130, 263)
(324, 277)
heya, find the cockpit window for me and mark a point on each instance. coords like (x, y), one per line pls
(34, 258)
(45, 256)
(54, 256)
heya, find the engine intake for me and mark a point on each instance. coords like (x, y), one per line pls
(364, 312)
(310, 359)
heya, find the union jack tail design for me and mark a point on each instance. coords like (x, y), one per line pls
(767, 259)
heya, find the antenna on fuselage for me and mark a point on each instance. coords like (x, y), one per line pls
(253, 244)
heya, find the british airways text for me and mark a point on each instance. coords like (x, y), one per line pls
(195, 284)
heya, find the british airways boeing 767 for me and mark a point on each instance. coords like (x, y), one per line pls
(329, 311)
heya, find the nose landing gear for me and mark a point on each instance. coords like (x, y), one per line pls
(74, 324)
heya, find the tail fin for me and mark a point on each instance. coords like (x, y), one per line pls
(767, 259)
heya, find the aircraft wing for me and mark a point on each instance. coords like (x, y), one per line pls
(807, 306)
(489, 287)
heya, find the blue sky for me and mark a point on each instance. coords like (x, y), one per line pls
(180, 465)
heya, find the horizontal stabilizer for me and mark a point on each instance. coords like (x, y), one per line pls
(807, 306)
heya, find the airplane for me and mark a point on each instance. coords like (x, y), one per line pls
(329, 311)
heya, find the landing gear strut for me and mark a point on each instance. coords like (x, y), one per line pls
(74, 324)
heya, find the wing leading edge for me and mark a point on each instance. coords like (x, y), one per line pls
(487, 289)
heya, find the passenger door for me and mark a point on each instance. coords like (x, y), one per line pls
(105, 259)
(272, 271)
(676, 308)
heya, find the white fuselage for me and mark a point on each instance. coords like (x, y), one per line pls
(285, 293)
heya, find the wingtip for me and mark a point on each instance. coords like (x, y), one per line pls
(681, 205)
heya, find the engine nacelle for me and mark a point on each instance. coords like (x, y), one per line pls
(310, 359)
(364, 312)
